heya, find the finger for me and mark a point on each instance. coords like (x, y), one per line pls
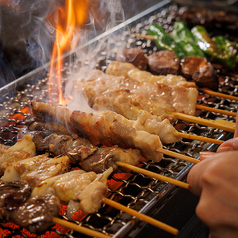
(205, 154)
(236, 128)
(229, 145)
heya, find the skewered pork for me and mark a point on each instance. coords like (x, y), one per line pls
(134, 56)
(99, 130)
(146, 122)
(200, 71)
(163, 62)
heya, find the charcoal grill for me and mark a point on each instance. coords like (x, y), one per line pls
(161, 200)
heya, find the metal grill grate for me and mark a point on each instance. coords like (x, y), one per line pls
(134, 190)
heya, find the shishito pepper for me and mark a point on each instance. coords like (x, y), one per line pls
(183, 36)
(206, 44)
(164, 40)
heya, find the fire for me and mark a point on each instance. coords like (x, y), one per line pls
(70, 19)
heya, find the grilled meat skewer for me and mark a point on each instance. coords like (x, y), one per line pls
(35, 214)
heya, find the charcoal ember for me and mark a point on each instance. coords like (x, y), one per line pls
(36, 213)
(163, 62)
(12, 195)
(134, 56)
(200, 71)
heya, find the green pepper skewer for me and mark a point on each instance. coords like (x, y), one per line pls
(206, 44)
(183, 36)
(164, 40)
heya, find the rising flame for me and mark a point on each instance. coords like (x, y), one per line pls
(70, 19)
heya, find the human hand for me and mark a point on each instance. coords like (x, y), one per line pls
(215, 180)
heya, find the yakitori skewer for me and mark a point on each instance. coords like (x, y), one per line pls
(154, 175)
(221, 95)
(219, 124)
(200, 138)
(177, 155)
(141, 216)
(211, 109)
(78, 228)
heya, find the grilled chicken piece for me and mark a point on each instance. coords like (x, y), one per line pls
(36, 169)
(12, 195)
(106, 157)
(181, 99)
(146, 122)
(99, 130)
(25, 148)
(134, 56)
(122, 102)
(163, 62)
(116, 68)
(200, 71)
(82, 190)
(36, 213)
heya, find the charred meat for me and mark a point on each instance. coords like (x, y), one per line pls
(134, 56)
(12, 195)
(106, 157)
(36, 213)
(163, 62)
(200, 71)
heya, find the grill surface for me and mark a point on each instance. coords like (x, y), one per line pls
(134, 190)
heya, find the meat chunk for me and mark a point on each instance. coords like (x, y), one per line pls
(12, 195)
(36, 169)
(99, 129)
(106, 157)
(200, 71)
(36, 213)
(24, 148)
(134, 56)
(146, 122)
(163, 62)
(82, 190)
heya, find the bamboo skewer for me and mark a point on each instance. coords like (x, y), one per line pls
(177, 155)
(211, 109)
(78, 228)
(219, 124)
(154, 175)
(141, 216)
(199, 138)
(217, 94)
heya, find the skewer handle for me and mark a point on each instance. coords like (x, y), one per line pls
(141, 216)
(219, 124)
(80, 229)
(211, 109)
(221, 95)
(177, 155)
(199, 138)
(154, 175)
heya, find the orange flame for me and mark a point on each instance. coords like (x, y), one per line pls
(70, 20)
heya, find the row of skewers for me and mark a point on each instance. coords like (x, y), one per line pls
(128, 130)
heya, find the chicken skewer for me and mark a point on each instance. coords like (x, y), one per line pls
(117, 68)
(90, 198)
